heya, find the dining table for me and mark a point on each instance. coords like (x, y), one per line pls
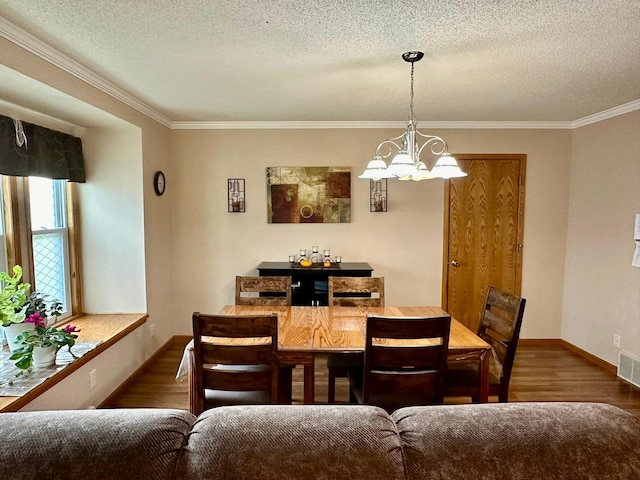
(304, 331)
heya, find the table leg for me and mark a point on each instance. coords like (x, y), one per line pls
(307, 360)
(309, 382)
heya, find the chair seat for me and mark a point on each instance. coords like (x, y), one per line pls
(465, 374)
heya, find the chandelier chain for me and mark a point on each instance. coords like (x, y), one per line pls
(411, 115)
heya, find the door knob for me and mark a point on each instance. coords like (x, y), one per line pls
(455, 263)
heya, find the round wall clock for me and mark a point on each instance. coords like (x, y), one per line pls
(159, 183)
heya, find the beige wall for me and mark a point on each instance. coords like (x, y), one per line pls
(602, 289)
(404, 245)
(112, 266)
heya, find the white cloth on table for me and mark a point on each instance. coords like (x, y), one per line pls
(183, 368)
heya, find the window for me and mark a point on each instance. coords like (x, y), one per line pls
(49, 238)
(45, 245)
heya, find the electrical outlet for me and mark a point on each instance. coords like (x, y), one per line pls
(616, 340)
(93, 380)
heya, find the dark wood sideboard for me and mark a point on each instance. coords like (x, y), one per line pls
(309, 284)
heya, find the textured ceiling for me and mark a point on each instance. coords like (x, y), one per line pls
(340, 60)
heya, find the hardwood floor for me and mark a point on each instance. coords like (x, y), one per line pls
(549, 373)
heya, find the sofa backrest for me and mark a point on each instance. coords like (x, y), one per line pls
(293, 443)
(516, 441)
(121, 444)
(520, 441)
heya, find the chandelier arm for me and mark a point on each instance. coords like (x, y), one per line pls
(386, 147)
(436, 144)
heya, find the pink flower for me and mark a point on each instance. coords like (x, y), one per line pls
(36, 318)
(71, 329)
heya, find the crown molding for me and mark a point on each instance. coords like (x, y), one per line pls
(32, 44)
(612, 112)
(268, 125)
(364, 125)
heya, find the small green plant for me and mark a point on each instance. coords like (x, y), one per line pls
(13, 297)
(42, 304)
(41, 336)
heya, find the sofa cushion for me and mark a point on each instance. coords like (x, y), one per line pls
(118, 444)
(520, 441)
(277, 442)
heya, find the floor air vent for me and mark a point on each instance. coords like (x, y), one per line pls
(629, 369)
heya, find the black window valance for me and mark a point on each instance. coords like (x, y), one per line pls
(39, 152)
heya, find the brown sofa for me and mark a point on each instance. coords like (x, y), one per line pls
(497, 441)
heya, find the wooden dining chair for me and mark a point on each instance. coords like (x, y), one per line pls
(405, 360)
(500, 327)
(241, 373)
(271, 291)
(263, 290)
(350, 291)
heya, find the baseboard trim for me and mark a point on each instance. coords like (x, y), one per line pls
(558, 342)
(598, 361)
(540, 342)
(134, 376)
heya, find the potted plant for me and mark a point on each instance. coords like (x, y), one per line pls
(13, 297)
(20, 311)
(39, 347)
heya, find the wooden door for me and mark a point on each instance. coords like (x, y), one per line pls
(483, 229)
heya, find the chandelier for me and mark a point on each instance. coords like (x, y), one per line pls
(406, 163)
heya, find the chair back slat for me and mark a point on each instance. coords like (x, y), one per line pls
(356, 291)
(408, 328)
(405, 360)
(240, 381)
(234, 353)
(273, 291)
(423, 385)
(497, 325)
(504, 301)
(242, 326)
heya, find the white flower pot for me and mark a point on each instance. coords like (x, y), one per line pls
(44, 356)
(12, 331)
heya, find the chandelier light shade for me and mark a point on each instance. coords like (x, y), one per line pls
(406, 163)
(401, 165)
(447, 167)
(376, 170)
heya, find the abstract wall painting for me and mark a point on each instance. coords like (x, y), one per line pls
(309, 194)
